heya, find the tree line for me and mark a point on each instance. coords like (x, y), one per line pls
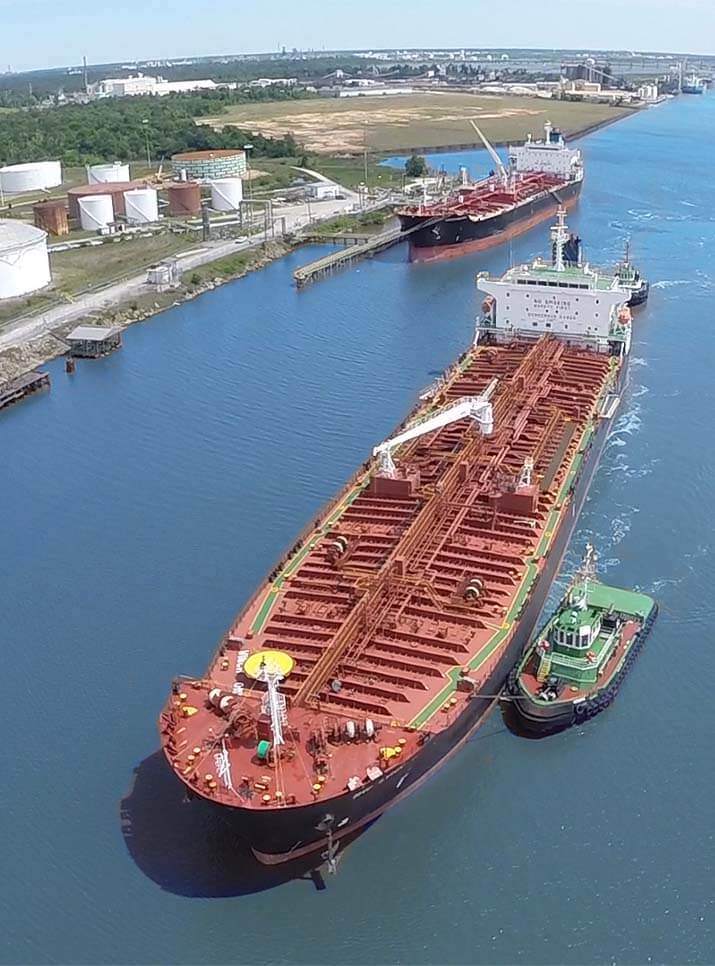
(117, 129)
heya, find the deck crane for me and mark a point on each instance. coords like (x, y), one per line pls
(498, 163)
(477, 408)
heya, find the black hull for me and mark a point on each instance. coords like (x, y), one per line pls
(282, 835)
(527, 718)
(640, 295)
(459, 235)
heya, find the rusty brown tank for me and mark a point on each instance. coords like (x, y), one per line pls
(52, 217)
(184, 198)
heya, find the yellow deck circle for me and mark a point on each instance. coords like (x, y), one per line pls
(279, 660)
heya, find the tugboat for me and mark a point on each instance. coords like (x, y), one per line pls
(630, 279)
(575, 666)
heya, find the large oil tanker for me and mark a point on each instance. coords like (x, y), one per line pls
(541, 177)
(380, 642)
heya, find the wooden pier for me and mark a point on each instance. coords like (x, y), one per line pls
(26, 385)
(351, 253)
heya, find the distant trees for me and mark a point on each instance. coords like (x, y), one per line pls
(113, 129)
(415, 166)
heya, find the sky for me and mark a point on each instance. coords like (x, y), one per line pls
(52, 33)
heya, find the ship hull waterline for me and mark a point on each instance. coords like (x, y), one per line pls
(276, 836)
(462, 236)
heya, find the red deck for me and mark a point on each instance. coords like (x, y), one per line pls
(486, 198)
(381, 631)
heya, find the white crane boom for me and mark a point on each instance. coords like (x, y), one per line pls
(495, 157)
(469, 407)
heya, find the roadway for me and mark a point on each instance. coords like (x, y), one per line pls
(26, 328)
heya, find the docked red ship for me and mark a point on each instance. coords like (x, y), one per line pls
(541, 177)
(377, 645)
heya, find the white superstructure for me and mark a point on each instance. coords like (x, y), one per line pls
(107, 173)
(575, 302)
(33, 176)
(141, 205)
(24, 262)
(551, 155)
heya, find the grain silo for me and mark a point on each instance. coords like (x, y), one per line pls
(24, 262)
(95, 212)
(107, 173)
(16, 179)
(184, 198)
(141, 205)
(52, 216)
(226, 194)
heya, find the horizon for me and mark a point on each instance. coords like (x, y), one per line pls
(37, 30)
(297, 53)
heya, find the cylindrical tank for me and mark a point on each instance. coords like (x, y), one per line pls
(51, 216)
(141, 205)
(184, 198)
(107, 173)
(226, 194)
(34, 176)
(95, 212)
(24, 262)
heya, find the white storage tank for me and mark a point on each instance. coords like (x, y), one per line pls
(24, 262)
(95, 212)
(34, 176)
(141, 205)
(107, 173)
(226, 194)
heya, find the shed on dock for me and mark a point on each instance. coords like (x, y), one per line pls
(24, 385)
(93, 341)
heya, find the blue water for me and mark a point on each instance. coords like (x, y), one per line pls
(145, 497)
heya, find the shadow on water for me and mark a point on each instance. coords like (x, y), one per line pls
(192, 851)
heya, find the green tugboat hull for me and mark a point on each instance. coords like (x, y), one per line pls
(530, 709)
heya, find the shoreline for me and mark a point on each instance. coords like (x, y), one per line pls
(26, 355)
(478, 146)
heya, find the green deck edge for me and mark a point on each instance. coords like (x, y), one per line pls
(527, 580)
(477, 660)
(294, 562)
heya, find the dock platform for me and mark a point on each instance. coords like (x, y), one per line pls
(347, 256)
(25, 385)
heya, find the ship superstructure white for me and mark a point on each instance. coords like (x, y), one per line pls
(577, 303)
(551, 155)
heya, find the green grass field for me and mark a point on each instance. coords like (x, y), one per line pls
(75, 271)
(401, 123)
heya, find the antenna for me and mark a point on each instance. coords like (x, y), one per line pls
(559, 237)
(587, 573)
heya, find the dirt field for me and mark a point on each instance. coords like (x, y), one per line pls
(334, 125)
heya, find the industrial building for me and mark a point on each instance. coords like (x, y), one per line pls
(588, 70)
(33, 176)
(136, 85)
(210, 165)
(24, 261)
